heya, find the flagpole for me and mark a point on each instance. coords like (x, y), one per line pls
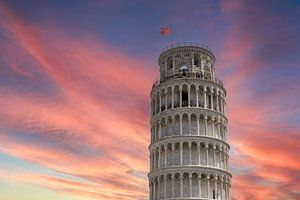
(171, 35)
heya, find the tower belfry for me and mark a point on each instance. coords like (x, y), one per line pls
(189, 149)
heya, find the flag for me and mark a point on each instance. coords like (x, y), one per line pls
(165, 30)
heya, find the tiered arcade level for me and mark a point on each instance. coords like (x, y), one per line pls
(188, 150)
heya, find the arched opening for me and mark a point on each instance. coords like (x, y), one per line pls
(157, 131)
(176, 96)
(169, 186)
(202, 154)
(184, 96)
(195, 185)
(193, 97)
(185, 124)
(161, 189)
(163, 100)
(177, 154)
(194, 129)
(169, 126)
(162, 157)
(202, 125)
(177, 125)
(207, 72)
(185, 153)
(169, 63)
(210, 155)
(156, 158)
(195, 156)
(197, 61)
(163, 128)
(169, 98)
(201, 97)
(177, 185)
(169, 155)
(186, 192)
(157, 102)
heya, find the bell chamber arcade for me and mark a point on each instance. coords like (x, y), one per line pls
(189, 149)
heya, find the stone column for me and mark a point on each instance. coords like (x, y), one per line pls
(155, 106)
(180, 148)
(190, 150)
(204, 93)
(214, 149)
(221, 104)
(197, 97)
(173, 185)
(154, 156)
(155, 131)
(165, 179)
(180, 123)
(225, 190)
(220, 158)
(208, 186)
(216, 186)
(217, 101)
(205, 121)
(193, 65)
(154, 190)
(150, 160)
(189, 96)
(211, 100)
(158, 188)
(159, 157)
(172, 97)
(206, 151)
(173, 66)
(181, 185)
(166, 155)
(173, 154)
(221, 188)
(191, 185)
(159, 102)
(224, 159)
(199, 153)
(200, 187)
(218, 129)
(180, 94)
(198, 125)
(159, 130)
(213, 127)
(166, 100)
(189, 119)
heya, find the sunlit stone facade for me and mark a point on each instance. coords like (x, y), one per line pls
(188, 150)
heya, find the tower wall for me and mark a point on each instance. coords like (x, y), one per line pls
(189, 149)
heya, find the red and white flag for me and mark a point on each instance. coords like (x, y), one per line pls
(165, 30)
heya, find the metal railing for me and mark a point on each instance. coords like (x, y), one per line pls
(181, 44)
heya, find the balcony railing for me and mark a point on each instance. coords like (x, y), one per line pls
(157, 80)
(181, 44)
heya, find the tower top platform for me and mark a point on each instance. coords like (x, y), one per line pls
(188, 46)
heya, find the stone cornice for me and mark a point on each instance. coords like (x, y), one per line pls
(187, 80)
(188, 110)
(188, 138)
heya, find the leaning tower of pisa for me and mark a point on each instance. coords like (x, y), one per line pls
(188, 150)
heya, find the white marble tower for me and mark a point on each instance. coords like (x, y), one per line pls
(188, 150)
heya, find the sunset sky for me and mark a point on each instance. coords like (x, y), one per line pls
(75, 78)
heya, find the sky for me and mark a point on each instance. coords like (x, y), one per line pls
(75, 79)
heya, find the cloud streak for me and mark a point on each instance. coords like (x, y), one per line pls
(79, 106)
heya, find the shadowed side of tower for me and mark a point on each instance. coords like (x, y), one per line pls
(188, 150)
